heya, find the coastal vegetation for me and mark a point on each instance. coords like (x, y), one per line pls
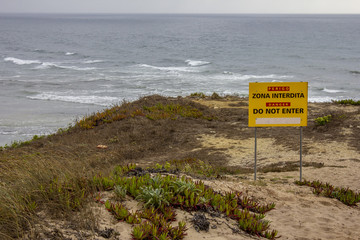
(151, 153)
(344, 195)
(156, 112)
(321, 121)
(347, 102)
(161, 193)
(202, 95)
(55, 173)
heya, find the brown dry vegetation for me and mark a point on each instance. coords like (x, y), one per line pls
(70, 158)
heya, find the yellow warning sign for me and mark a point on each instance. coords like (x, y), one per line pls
(278, 104)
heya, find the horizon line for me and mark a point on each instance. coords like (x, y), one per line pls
(169, 13)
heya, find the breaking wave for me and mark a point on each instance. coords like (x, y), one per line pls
(333, 90)
(169, 69)
(93, 61)
(245, 77)
(48, 65)
(320, 99)
(21, 61)
(88, 99)
(196, 63)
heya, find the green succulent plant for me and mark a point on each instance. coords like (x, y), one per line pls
(120, 192)
(181, 186)
(160, 194)
(344, 195)
(153, 197)
(321, 121)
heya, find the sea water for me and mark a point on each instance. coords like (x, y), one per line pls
(55, 69)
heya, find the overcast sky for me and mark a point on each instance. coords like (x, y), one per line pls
(180, 6)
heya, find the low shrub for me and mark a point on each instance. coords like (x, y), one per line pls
(321, 121)
(347, 102)
(198, 95)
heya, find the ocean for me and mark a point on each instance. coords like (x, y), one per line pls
(55, 69)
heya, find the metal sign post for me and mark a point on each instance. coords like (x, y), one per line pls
(300, 154)
(255, 157)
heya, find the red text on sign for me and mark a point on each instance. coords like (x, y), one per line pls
(278, 104)
(279, 89)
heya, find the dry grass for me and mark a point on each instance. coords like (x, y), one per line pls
(31, 182)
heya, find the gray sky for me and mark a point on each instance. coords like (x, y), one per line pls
(180, 6)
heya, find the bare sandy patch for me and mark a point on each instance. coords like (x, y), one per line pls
(241, 152)
(298, 211)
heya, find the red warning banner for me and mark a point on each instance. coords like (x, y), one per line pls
(278, 104)
(279, 88)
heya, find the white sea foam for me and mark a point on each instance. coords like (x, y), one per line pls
(169, 69)
(267, 76)
(8, 132)
(196, 63)
(78, 68)
(69, 53)
(320, 99)
(93, 61)
(21, 61)
(246, 77)
(21, 130)
(270, 76)
(333, 90)
(47, 65)
(88, 99)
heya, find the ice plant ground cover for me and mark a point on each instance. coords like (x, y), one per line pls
(344, 195)
(160, 194)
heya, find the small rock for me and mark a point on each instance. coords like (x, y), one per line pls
(201, 223)
(106, 233)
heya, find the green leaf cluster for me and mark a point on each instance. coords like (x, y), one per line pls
(347, 102)
(344, 195)
(321, 121)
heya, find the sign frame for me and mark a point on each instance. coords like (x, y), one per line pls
(278, 104)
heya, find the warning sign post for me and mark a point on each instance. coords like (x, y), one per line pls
(278, 104)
